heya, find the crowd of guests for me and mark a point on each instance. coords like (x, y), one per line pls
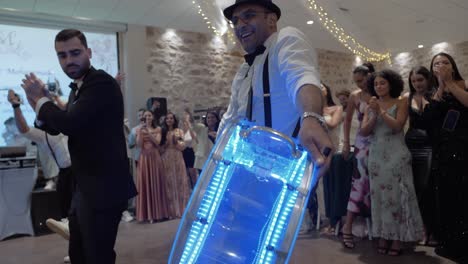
(169, 156)
(411, 185)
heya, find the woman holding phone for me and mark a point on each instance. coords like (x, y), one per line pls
(447, 118)
(151, 202)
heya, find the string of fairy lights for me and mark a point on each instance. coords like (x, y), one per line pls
(207, 21)
(327, 22)
(211, 26)
(344, 38)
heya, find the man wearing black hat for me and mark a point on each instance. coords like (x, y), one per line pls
(278, 85)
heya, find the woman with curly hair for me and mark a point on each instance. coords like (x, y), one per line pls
(394, 208)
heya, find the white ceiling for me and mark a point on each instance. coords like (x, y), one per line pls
(396, 25)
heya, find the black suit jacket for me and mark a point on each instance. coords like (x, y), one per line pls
(93, 123)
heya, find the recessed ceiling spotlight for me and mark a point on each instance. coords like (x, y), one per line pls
(420, 46)
(310, 22)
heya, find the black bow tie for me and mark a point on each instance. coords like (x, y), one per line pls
(249, 58)
(73, 86)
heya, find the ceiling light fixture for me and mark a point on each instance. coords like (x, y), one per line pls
(420, 46)
(310, 22)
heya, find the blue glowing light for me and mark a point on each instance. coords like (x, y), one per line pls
(241, 211)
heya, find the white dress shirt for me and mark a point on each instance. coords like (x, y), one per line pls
(292, 64)
(57, 143)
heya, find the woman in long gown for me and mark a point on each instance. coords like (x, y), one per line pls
(447, 117)
(359, 198)
(177, 180)
(151, 199)
(395, 212)
(418, 142)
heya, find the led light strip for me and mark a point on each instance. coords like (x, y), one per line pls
(208, 208)
(276, 229)
(210, 204)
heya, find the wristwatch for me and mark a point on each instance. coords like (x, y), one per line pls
(15, 105)
(317, 117)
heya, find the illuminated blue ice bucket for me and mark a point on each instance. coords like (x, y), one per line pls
(248, 203)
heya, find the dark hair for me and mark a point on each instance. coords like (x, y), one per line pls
(330, 101)
(217, 118)
(394, 80)
(187, 110)
(154, 121)
(427, 75)
(68, 34)
(344, 92)
(456, 73)
(364, 69)
(165, 129)
(9, 121)
(142, 110)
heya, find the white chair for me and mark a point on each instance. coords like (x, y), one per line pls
(16, 185)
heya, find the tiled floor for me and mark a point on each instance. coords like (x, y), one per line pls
(151, 243)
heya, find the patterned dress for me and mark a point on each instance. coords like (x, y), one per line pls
(151, 200)
(359, 198)
(395, 211)
(177, 181)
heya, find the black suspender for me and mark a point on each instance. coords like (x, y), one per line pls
(267, 101)
(51, 150)
(266, 94)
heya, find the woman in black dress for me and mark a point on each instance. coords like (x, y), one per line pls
(447, 117)
(417, 140)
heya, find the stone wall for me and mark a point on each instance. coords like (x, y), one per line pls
(190, 69)
(195, 70)
(336, 69)
(405, 61)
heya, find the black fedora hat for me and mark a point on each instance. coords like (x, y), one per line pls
(268, 4)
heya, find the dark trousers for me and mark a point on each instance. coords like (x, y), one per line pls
(65, 187)
(93, 232)
(337, 186)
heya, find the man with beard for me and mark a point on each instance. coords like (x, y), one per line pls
(278, 85)
(92, 121)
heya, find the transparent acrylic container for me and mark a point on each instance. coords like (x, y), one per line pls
(248, 203)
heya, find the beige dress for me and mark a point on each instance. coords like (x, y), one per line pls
(151, 201)
(177, 181)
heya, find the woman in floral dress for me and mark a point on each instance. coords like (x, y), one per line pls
(395, 212)
(359, 198)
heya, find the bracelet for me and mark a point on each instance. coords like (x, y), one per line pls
(15, 105)
(317, 117)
